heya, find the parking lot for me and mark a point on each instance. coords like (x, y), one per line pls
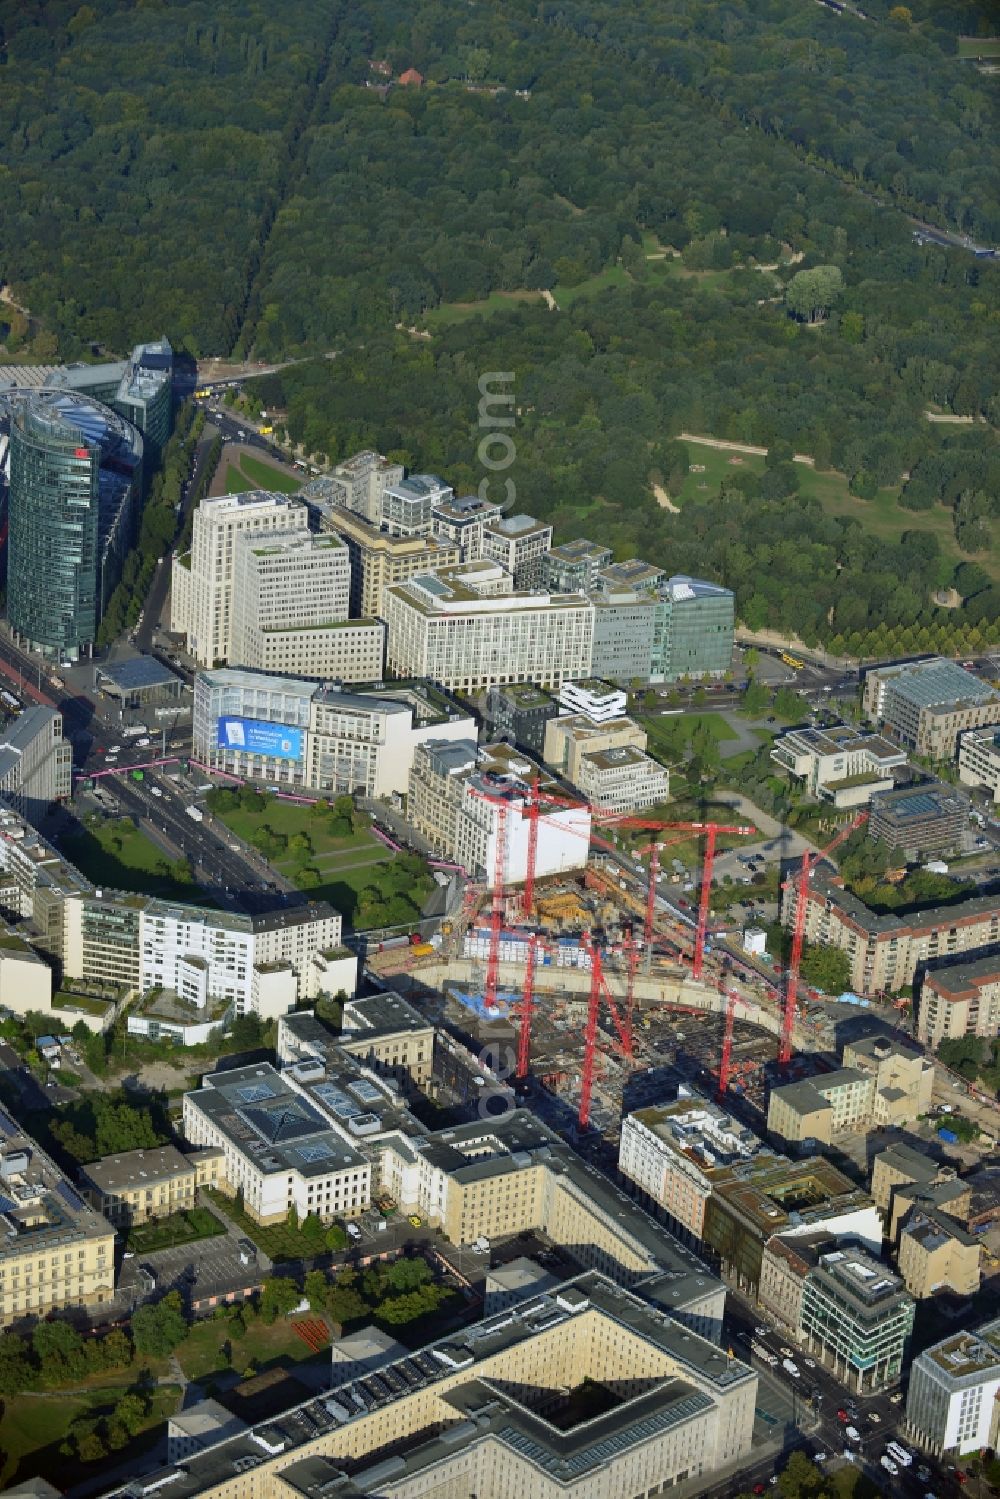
(202, 1270)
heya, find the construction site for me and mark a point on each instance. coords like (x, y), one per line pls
(590, 990)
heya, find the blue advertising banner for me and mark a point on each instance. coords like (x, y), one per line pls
(254, 736)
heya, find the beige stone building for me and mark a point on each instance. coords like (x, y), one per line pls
(391, 1036)
(623, 779)
(821, 1107)
(902, 1076)
(496, 1410)
(935, 1254)
(785, 1263)
(960, 999)
(137, 1185)
(886, 951)
(55, 1250)
(572, 735)
(380, 561)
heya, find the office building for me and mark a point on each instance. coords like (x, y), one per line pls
(622, 780)
(380, 561)
(520, 712)
(633, 576)
(465, 801)
(979, 758)
(139, 388)
(460, 522)
(519, 543)
(959, 999)
(408, 504)
(937, 1254)
(886, 951)
(514, 1282)
(573, 566)
(56, 1251)
(137, 1185)
(952, 1399)
(36, 762)
(839, 764)
(390, 1036)
(493, 1409)
(785, 1263)
(570, 737)
(624, 622)
(278, 1150)
(289, 610)
(204, 1424)
(693, 630)
(362, 1353)
(142, 683)
(357, 484)
(918, 822)
(857, 1319)
(927, 705)
(447, 628)
(25, 976)
(201, 588)
(321, 740)
(76, 483)
(597, 700)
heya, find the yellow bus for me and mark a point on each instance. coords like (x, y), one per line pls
(202, 395)
(792, 661)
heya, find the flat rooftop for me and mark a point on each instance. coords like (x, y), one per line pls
(135, 1168)
(938, 684)
(971, 1352)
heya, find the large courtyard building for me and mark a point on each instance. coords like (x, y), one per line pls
(321, 740)
(979, 758)
(886, 951)
(76, 484)
(960, 999)
(56, 1252)
(953, 1400)
(202, 580)
(495, 1409)
(927, 705)
(456, 628)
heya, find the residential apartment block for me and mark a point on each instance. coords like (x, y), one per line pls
(520, 544)
(380, 560)
(927, 705)
(885, 952)
(839, 764)
(918, 822)
(937, 1254)
(452, 629)
(902, 1078)
(959, 999)
(979, 757)
(408, 504)
(816, 1109)
(952, 1405)
(137, 1185)
(900, 1166)
(460, 522)
(36, 762)
(201, 582)
(277, 1148)
(55, 1250)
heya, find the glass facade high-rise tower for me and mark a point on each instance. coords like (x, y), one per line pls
(75, 490)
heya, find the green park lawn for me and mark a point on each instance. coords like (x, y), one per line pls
(680, 727)
(253, 473)
(118, 854)
(279, 1241)
(346, 865)
(179, 1228)
(459, 312)
(978, 46)
(612, 275)
(201, 1354)
(32, 1427)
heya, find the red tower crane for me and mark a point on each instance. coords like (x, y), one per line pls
(801, 882)
(497, 908)
(532, 812)
(527, 1010)
(733, 998)
(623, 1025)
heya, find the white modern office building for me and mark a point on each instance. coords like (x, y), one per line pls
(453, 629)
(320, 740)
(36, 762)
(599, 701)
(951, 1403)
(201, 585)
(408, 504)
(520, 544)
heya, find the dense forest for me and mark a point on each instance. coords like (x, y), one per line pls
(677, 172)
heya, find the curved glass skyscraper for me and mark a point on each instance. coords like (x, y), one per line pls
(75, 491)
